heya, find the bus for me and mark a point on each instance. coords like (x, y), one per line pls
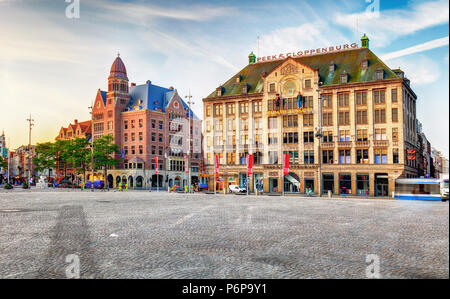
(419, 189)
(444, 186)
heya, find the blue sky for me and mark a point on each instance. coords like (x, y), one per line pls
(52, 66)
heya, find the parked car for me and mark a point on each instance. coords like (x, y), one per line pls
(236, 189)
(97, 185)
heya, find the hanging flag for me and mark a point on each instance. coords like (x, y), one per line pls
(123, 154)
(185, 165)
(156, 161)
(299, 100)
(286, 158)
(250, 164)
(216, 164)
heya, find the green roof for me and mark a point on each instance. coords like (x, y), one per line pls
(349, 61)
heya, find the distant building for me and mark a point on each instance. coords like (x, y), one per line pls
(3, 151)
(76, 130)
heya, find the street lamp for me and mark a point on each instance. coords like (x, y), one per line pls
(92, 145)
(319, 135)
(30, 152)
(189, 102)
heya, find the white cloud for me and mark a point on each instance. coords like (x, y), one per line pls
(440, 42)
(420, 69)
(394, 23)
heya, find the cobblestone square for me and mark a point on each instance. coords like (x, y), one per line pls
(141, 234)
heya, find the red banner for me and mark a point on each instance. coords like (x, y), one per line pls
(249, 164)
(411, 151)
(286, 158)
(410, 157)
(156, 161)
(216, 164)
(185, 165)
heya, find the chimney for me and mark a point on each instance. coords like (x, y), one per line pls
(76, 121)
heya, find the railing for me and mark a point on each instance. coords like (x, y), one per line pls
(344, 144)
(364, 143)
(380, 143)
(327, 145)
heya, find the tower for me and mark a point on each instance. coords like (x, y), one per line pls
(118, 80)
(251, 58)
(364, 41)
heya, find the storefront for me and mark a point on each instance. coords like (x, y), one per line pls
(328, 183)
(258, 182)
(243, 180)
(362, 184)
(381, 184)
(345, 184)
(291, 183)
(309, 185)
(273, 185)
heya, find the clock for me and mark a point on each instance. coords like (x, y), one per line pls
(289, 89)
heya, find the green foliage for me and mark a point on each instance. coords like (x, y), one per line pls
(8, 186)
(104, 150)
(25, 185)
(3, 163)
(45, 156)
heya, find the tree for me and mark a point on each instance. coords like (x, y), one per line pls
(3, 163)
(104, 152)
(62, 154)
(45, 156)
(80, 154)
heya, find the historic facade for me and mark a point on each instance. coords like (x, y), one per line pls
(347, 120)
(150, 125)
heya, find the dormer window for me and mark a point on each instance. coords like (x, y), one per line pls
(380, 74)
(238, 79)
(245, 88)
(344, 78)
(365, 64)
(219, 91)
(331, 68)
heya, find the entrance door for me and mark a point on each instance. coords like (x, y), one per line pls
(381, 185)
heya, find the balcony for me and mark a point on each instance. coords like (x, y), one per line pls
(327, 145)
(380, 143)
(344, 144)
(364, 143)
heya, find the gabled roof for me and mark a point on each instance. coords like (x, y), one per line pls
(348, 61)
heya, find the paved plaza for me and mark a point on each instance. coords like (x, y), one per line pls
(141, 234)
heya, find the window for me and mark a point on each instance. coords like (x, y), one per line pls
(141, 136)
(380, 116)
(308, 137)
(308, 120)
(125, 137)
(244, 139)
(125, 125)
(327, 101)
(308, 157)
(110, 125)
(141, 123)
(133, 137)
(272, 87)
(327, 157)
(231, 158)
(273, 122)
(344, 118)
(125, 149)
(380, 156)
(327, 119)
(231, 125)
(361, 97)
(160, 137)
(361, 117)
(343, 100)
(273, 138)
(132, 124)
(257, 106)
(141, 149)
(361, 135)
(380, 134)
(273, 157)
(328, 136)
(395, 156)
(218, 125)
(291, 137)
(133, 150)
(394, 95)
(160, 150)
(244, 124)
(394, 115)
(344, 157)
(379, 96)
(243, 108)
(153, 136)
(380, 75)
(362, 156)
(218, 110)
(344, 135)
(293, 157)
(208, 110)
(394, 134)
(230, 108)
(308, 102)
(308, 83)
(344, 78)
(290, 121)
(160, 125)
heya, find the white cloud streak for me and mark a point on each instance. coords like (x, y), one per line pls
(440, 42)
